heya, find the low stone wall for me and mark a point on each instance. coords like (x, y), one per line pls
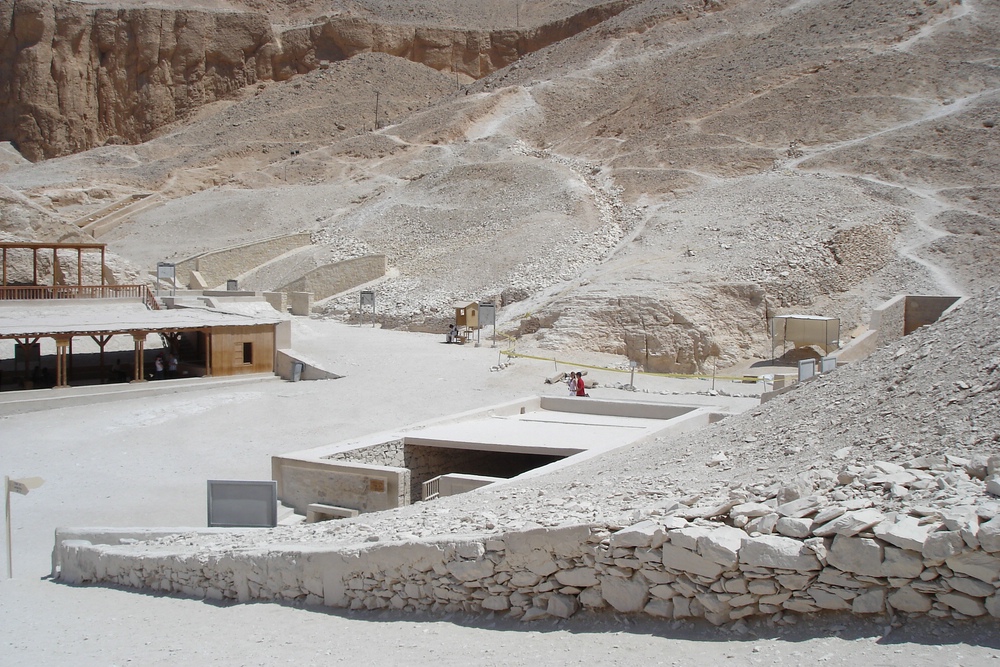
(669, 568)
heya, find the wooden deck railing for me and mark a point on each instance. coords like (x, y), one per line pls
(34, 292)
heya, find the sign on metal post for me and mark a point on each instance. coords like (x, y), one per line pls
(21, 486)
(488, 315)
(166, 271)
(367, 299)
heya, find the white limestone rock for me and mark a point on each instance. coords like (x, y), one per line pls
(801, 507)
(682, 560)
(973, 587)
(794, 526)
(989, 535)
(641, 534)
(869, 602)
(826, 600)
(976, 564)
(580, 577)
(860, 555)
(660, 608)
(780, 552)
(908, 600)
(625, 595)
(941, 545)
(751, 510)
(901, 563)
(850, 523)
(722, 545)
(905, 533)
(962, 603)
(687, 537)
(562, 606)
(496, 603)
(471, 570)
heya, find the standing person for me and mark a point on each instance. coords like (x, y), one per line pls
(158, 366)
(171, 365)
(571, 383)
(581, 388)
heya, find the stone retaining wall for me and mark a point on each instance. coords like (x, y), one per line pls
(218, 266)
(669, 568)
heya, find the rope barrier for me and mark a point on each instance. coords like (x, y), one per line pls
(511, 353)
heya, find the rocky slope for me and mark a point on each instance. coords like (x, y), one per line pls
(76, 76)
(656, 186)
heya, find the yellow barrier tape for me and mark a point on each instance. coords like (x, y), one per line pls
(621, 370)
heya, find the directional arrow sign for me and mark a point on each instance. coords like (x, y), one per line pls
(22, 486)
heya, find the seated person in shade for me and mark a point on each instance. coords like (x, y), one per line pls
(452, 334)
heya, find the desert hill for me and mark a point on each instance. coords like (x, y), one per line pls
(654, 186)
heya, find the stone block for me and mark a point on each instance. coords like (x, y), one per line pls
(581, 577)
(794, 527)
(908, 600)
(496, 603)
(592, 598)
(524, 579)
(660, 608)
(993, 605)
(470, 570)
(826, 600)
(801, 507)
(639, 535)
(775, 551)
(860, 555)
(562, 606)
(794, 582)
(962, 603)
(901, 563)
(722, 545)
(682, 560)
(972, 587)
(976, 564)
(687, 537)
(625, 595)
(850, 523)
(906, 533)
(751, 510)
(941, 545)
(989, 535)
(869, 602)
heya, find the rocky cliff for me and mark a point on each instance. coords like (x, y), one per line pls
(76, 76)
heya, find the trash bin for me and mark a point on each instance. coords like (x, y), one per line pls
(297, 368)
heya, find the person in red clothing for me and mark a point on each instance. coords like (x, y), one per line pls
(581, 388)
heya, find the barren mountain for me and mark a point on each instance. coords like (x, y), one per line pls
(654, 186)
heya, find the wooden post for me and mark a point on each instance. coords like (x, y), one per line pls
(79, 266)
(138, 372)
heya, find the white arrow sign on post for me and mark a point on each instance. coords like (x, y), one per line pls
(22, 486)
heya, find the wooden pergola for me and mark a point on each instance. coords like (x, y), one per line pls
(80, 248)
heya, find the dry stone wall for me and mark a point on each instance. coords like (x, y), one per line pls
(789, 555)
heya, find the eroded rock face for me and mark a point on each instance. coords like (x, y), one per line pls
(73, 76)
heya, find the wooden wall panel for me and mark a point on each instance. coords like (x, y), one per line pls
(227, 350)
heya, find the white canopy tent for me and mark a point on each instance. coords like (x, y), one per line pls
(804, 330)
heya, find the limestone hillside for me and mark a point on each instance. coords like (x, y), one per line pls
(642, 178)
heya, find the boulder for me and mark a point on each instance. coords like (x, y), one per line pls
(901, 563)
(580, 577)
(794, 527)
(989, 535)
(941, 545)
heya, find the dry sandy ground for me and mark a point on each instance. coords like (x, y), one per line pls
(144, 462)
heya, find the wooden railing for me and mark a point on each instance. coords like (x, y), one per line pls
(34, 292)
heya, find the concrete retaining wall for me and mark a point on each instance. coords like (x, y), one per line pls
(325, 281)
(218, 266)
(366, 488)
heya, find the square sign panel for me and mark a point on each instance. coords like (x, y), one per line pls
(242, 504)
